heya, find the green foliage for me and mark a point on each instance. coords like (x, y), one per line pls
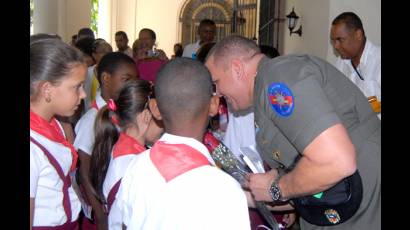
(31, 12)
(94, 16)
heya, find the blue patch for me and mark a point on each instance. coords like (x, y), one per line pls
(281, 99)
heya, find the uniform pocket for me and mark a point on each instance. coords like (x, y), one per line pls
(274, 147)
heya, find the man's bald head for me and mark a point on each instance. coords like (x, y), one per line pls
(233, 46)
(183, 90)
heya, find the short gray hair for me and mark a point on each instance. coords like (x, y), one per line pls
(233, 46)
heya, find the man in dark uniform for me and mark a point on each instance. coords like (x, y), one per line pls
(309, 118)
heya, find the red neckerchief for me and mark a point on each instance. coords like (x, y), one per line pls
(94, 105)
(113, 118)
(53, 132)
(126, 145)
(172, 160)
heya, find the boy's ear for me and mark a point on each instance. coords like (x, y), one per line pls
(213, 106)
(153, 107)
(105, 78)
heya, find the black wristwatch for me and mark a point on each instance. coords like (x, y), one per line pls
(275, 192)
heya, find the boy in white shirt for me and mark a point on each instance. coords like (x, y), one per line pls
(175, 185)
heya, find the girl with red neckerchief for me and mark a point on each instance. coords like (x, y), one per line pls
(113, 72)
(57, 74)
(114, 150)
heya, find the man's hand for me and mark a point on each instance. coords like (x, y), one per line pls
(162, 55)
(375, 104)
(101, 220)
(259, 184)
(289, 219)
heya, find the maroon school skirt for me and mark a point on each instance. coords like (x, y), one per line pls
(66, 226)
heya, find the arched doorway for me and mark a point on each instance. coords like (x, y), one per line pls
(230, 16)
(194, 11)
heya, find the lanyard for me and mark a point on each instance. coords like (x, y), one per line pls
(358, 74)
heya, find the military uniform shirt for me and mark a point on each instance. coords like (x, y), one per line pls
(296, 98)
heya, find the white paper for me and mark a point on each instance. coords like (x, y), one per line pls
(252, 158)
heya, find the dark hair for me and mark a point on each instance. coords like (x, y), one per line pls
(121, 33)
(85, 44)
(183, 89)
(269, 51)
(50, 60)
(110, 62)
(350, 19)
(203, 51)
(40, 36)
(232, 46)
(206, 22)
(132, 100)
(85, 32)
(97, 42)
(179, 51)
(151, 32)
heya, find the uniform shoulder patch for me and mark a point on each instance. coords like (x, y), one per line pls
(281, 99)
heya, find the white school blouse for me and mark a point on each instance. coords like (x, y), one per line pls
(84, 128)
(46, 187)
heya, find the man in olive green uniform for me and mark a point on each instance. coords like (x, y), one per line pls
(304, 109)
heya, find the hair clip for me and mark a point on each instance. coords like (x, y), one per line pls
(146, 106)
(111, 105)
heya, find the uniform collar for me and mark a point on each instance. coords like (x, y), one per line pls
(99, 100)
(258, 79)
(366, 52)
(127, 145)
(52, 131)
(173, 139)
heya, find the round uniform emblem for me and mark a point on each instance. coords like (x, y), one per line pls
(332, 216)
(281, 99)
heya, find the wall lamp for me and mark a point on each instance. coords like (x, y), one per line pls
(292, 20)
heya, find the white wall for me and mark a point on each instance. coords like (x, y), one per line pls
(313, 16)
(62, 17)
(369, 12)
(123, 18)
(78, 16)
(162, 17)
(133, 15)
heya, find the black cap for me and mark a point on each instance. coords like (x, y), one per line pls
(335, 205)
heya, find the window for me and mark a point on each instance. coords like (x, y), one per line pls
(31, 16)
(94, 16)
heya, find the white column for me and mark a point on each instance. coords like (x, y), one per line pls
(62, 17)
(78, 16)
(45, 16)
(62, 20)
(104, 20)
(125, 19)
